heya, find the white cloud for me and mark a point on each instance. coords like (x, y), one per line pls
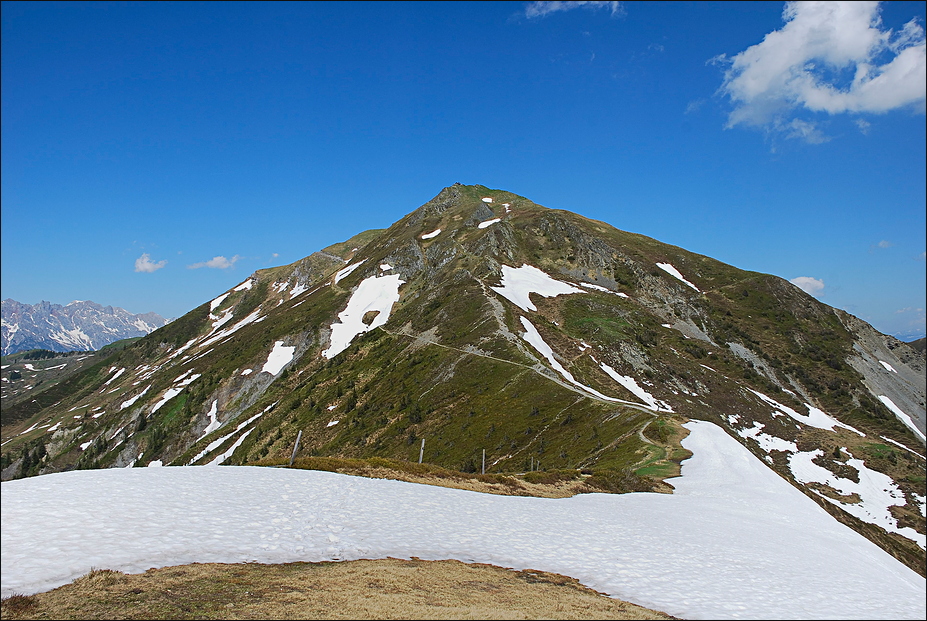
(694, 106)
(830, 57)
(145, 264)
(806, 130)
(863, 125)
(541, 9)
(885, 244)
(808, 284)
(220, 263)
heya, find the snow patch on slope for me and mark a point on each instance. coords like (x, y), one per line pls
(213, 420)
(887, 366)
(175, 390)
(279, 357)
(342, 273)
(631, 384)
(518, 282)
(877, 492)
(901, 416)
(672, 271)
(814, 418)
(217, 443)
(373, 294)
(130, 402)
(589, 285)
(535, 340)
(767, 442)
(217, 302)
(117, 374)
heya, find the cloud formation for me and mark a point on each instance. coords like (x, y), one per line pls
(830, 57)
(145, 264)
(219, 263)
(808, 284)
(541, 9)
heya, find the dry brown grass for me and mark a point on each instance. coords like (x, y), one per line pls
(543, 484)
(366, 589)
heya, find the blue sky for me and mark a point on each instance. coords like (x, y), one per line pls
(155, 154)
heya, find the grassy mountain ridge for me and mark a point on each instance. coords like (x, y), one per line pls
(634, 351)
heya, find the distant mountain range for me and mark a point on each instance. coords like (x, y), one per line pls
(78, 326)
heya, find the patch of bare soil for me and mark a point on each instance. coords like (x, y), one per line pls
(365, 589)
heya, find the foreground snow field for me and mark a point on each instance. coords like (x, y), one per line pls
(734, 541)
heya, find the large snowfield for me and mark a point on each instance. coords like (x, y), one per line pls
(734, 541)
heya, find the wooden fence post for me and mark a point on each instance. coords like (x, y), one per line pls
(296, 446)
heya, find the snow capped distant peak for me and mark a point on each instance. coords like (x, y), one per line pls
(79, 325)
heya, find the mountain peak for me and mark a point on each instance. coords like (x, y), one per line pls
(79, 325)
(483, 321)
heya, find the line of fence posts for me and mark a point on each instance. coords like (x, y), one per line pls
(421, 453)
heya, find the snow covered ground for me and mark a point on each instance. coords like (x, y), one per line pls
(735, 541)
